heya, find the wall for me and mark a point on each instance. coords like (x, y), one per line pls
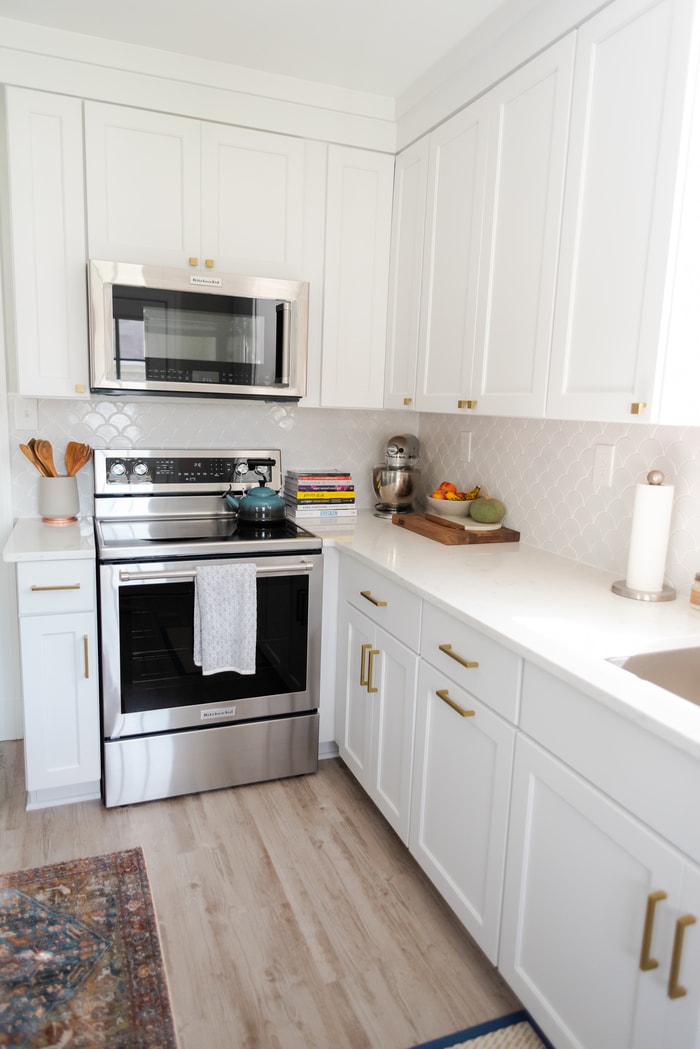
(543, 472)
(307, 437)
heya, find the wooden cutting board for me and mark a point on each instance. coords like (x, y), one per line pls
(449, 532)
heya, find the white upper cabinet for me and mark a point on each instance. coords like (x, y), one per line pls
(358, 233)
(168, 190)
(454, 219)
(494, 199)
(628, 124)
(528, 135)
(47, 309)
(408, 222)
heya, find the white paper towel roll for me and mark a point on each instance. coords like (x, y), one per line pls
(651, 524)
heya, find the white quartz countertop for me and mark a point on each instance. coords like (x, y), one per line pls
(32, 540)
(554, 611)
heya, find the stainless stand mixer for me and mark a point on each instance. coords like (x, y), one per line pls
(395, 481)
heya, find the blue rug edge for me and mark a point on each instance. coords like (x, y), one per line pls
(485, 1028)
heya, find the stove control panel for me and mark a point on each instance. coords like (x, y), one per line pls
(180, 471)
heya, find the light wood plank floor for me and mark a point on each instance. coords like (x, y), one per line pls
(290, 914)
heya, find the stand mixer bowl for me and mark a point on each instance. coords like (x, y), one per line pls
(395, 487)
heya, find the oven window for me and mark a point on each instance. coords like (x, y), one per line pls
(156, 646)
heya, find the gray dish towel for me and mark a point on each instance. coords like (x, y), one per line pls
(225, 618)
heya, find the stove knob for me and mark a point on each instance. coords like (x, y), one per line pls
(117, 470)
(139, 469)
(242, 469)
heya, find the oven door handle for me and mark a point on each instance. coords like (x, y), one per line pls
(190, 573)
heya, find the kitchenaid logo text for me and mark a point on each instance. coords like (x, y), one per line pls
(227, 712)
(207, 282)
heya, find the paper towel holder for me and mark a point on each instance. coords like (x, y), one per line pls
(667, 592)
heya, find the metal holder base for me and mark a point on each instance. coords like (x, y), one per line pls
(621, 588)
(386, 512)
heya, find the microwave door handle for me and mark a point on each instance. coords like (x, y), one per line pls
(283, 335)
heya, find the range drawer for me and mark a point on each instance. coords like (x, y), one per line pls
(55, 586)
(386, 603)
(478, 664)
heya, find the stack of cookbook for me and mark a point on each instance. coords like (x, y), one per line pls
(319, 494)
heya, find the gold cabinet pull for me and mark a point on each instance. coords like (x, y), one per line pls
(209, 263)
(646, 962)
(637, 407)
(193, 260)
(675, 989)
(367, 594)
(407, 401)
(79, 388)
(468, 663)
(364, 680)
(65, 586)
(466, 404)
(370, 666)
(444, 695)
(86, 657)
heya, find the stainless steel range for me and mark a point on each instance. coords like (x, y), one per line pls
(169, 728)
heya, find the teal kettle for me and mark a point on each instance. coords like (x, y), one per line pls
(257, 505)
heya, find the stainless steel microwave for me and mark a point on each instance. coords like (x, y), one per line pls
(166, 331)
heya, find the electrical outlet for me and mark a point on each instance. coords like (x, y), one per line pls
(26, 417)
(603, 463)
(465, 446)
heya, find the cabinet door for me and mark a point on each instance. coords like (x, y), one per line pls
(358, 234)
(408, 222)
(580, 872)
(627, 109)
(143, 185)
(354, 714)
(683, 1012)
(454, 217)
(391, 684)
(252, 201)
(528, 137)
(61, 700)
(459, 813)
(47, 226)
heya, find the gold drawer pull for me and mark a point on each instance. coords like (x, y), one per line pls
(646, 962)
(468, 663)
(364, 680)
(370, 664)
(637, 407)
(367, 594)
(444, 695)
(675, 989)
(85, 655)
(65, 586)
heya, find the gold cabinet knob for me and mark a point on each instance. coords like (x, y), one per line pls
(193, 260)
(79, 388)
(637, 407)
(407, 401)
(466, 404)
(209, 263)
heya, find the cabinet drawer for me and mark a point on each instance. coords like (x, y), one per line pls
(55, 586)
(448, 644)
(645, 774)
(386, 603)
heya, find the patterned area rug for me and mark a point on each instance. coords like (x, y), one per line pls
(515, 1031)
(80, 959)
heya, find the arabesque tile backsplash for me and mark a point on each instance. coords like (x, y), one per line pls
(543, 470)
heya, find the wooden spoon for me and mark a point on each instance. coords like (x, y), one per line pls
(77, 455)
(44, 453)
(31, 455)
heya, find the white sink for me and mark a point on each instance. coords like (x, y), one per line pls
(677, 670)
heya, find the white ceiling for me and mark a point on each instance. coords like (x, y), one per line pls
(377, 46)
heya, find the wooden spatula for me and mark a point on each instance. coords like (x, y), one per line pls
(44, 453)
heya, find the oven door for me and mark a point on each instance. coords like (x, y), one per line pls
(150, 683)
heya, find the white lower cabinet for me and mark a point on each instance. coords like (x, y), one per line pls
(601, 933)
(377, 713)
(459, 812)
(58, 653)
